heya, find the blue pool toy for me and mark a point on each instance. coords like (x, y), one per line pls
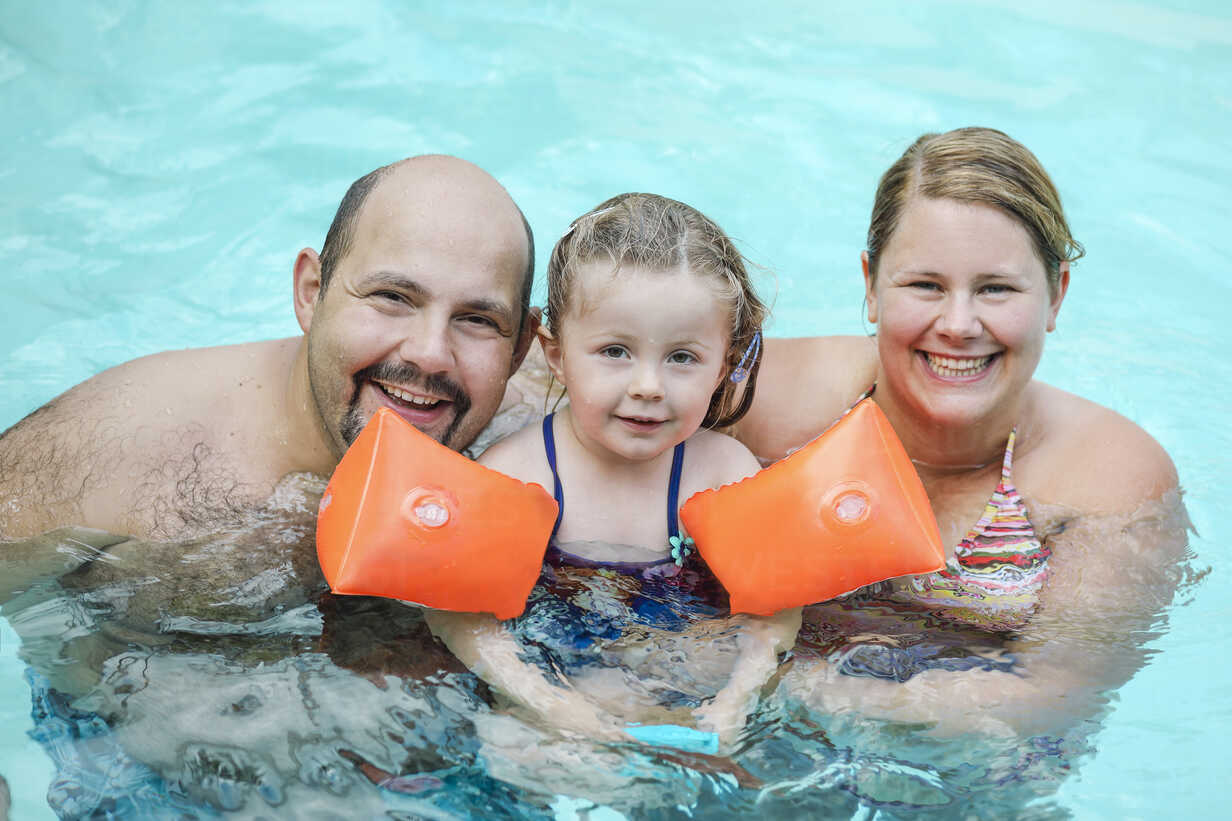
(673, 735)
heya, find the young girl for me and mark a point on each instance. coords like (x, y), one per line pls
(651, 326)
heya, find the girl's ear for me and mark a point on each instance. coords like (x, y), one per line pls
(552, 353)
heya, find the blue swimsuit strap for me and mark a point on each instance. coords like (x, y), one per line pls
(558, 493)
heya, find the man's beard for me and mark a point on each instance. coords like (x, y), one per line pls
(405, 374)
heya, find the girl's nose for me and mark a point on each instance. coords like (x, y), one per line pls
(645, 382)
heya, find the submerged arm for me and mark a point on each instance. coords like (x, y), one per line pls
(491, 652)
(760, 641)
(1111, 578)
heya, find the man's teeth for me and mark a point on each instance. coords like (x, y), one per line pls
(950, 366)
(414, 399)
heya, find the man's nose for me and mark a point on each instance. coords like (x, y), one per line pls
(959, 319)
(428, 344)
(646, 382)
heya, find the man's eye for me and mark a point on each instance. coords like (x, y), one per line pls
(481, 321)
(613, 352)
(391, 296)
(681, 358)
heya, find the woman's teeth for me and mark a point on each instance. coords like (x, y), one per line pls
(411, 398)
(950, 366)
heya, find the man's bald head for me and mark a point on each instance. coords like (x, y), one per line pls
(432, 172)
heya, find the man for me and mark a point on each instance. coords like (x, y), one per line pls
(193, 476)
(417, 302)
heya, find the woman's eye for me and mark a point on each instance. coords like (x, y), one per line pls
(681, 358)
(613, 352)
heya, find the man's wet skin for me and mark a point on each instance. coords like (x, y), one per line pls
(177, 494)
(419, 308)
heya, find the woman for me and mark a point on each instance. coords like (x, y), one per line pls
(1064, 517)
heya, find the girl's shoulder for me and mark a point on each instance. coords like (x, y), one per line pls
(520, 455)
(1088, 457)
(804, 384)
(713, 459)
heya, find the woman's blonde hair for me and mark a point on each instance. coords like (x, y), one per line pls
(976, 165)
(655, 233)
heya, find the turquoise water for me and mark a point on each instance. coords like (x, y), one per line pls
(165, 163)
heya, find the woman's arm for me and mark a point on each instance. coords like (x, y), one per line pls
(804, 384)
(1118, 544)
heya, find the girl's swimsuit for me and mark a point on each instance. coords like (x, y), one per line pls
(580, 604)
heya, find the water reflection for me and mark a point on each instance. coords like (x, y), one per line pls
(218, 676)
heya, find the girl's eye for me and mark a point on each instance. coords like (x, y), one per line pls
(681, 358)
(924, 285)
(996, 289)
(613, 352)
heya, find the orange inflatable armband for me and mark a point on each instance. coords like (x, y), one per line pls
(407, 518)
(846, 510)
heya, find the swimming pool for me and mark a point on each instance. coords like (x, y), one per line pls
(164, 165)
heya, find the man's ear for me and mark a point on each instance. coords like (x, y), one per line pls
(870, 293)
(552, 353)
(526, 338)
(307, 286)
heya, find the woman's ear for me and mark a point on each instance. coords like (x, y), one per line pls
(306, 286)
(552, 353)
(1059, 294)
(870, 293)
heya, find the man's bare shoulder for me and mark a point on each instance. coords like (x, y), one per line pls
(111, 451)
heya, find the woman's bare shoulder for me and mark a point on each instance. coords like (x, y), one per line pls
(804, 384)
(1093, 459)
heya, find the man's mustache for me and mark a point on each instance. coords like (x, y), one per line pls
(404, 373)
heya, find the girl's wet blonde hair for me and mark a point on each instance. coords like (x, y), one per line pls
(655, 233)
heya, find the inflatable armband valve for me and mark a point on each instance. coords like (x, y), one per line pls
(846, 510)
(674, 735)
(407, 518)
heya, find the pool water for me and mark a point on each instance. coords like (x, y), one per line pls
(165, 163)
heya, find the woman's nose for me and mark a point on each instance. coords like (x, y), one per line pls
(959, 319)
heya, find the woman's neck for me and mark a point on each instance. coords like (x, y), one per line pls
(939, 449)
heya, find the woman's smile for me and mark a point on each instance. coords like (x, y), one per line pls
(958, 368)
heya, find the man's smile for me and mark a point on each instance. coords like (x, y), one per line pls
(419, 400)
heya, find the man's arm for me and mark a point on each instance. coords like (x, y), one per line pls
(49, 466)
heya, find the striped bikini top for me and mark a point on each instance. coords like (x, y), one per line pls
(993, 579)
